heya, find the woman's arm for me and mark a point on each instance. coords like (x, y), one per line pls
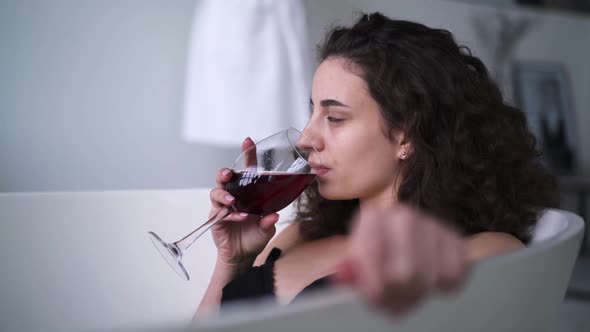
(397, 257)
(222, 275)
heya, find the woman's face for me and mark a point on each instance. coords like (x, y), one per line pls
(347, 129)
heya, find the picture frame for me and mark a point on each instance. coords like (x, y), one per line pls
(543, 91)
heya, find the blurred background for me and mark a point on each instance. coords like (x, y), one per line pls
(93, 92)
(100, 95)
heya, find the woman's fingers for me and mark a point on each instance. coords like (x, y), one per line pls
(249, 149)
(268, 221)
(224, 175)
(220, 197)
(247, 143)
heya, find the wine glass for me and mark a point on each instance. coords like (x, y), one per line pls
(265, 178)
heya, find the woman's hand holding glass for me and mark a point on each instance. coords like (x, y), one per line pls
(241, 239)
(264, 178)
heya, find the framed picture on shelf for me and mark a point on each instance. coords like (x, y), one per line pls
(543, 91)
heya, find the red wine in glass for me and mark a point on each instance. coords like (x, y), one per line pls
(266, 192)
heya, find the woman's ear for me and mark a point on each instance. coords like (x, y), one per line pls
(405, 147)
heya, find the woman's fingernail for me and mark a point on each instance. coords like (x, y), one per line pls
(229, 198)
(225, 172)
(243, 214)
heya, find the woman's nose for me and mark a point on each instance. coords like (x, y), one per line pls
(310, 140)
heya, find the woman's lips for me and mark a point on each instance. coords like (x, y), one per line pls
(321, 170)
(318, 168)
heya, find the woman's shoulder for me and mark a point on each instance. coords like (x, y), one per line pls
(288, 238)
(488, 244)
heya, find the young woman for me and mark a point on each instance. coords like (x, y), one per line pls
(424, 171)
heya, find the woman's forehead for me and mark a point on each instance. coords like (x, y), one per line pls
(336, 78)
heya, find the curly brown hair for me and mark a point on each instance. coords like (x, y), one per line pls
(474, 162)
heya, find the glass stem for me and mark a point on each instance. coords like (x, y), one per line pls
(184, 243)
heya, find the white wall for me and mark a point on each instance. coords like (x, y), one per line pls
(91, 91)
(91, 97)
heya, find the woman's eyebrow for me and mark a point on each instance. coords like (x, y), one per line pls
(329, 102)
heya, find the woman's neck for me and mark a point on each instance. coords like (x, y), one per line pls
(385, 200)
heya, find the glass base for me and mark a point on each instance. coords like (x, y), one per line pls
(171, 254)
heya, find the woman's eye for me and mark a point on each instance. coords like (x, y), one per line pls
(332, 119)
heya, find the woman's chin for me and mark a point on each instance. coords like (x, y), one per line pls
(333, 194)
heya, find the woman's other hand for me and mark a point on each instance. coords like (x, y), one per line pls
(397, 257)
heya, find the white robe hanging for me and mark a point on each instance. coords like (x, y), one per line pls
(248, 70)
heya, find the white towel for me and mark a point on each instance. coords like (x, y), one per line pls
(248, 70)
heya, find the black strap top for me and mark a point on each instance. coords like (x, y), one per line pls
(258, 281)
